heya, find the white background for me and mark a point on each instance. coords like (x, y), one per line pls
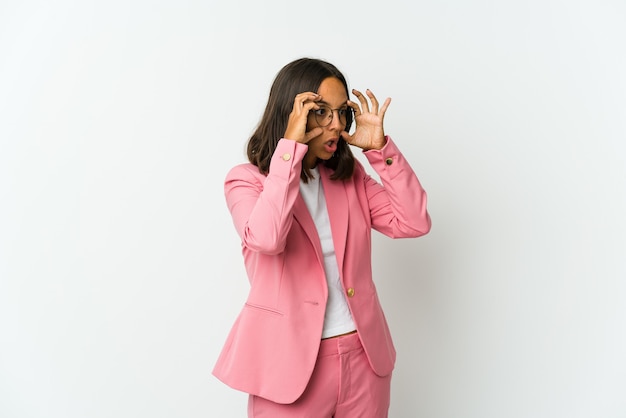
(120, 270)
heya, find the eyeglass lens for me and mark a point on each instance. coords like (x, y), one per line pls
(324, 115)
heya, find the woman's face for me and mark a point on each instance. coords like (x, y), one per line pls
(333, 98)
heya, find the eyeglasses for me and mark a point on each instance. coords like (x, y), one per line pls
(324, 115)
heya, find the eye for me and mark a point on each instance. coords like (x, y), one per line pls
(343, 112)
(322, 111)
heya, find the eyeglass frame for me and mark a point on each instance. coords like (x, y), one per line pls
(348, 109)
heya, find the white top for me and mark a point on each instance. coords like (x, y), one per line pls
(337, 319)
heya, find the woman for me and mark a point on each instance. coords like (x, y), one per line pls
(311, 339)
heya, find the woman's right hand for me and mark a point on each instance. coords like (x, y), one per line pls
(296, 125)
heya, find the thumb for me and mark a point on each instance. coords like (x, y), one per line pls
(313, 133)
(346, 137)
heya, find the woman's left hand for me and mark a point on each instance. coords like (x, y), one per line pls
(369, 132)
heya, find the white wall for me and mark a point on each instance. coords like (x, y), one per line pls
(120, 271)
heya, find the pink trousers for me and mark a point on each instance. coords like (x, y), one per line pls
(343, 385)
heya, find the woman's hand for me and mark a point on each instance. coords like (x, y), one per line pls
(369, 132)
(296, 125)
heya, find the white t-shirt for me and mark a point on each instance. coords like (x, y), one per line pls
(337, 319)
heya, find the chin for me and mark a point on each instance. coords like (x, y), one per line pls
(325, 156)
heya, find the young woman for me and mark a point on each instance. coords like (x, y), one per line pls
(311, 339)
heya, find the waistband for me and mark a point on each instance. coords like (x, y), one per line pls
(340, 345)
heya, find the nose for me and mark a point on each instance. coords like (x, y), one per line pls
(335, 122)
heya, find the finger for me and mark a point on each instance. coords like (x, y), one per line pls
(364, 105)
(373, 100)
(305, 108)
(346, 137)
(307, 95)
(355, 108)
(313, 133)
(308, 106)
(385, 106)
(302, 98)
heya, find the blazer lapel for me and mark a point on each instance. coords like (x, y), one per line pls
(303, 217)
(338, 212)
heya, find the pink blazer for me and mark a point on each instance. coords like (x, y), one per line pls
(272, 347)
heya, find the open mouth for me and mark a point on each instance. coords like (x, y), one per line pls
(330, 146)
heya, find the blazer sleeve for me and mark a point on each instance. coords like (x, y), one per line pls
(261, 206)
(398, 206)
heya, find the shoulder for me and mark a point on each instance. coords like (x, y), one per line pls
(246, 172)
(359, 174)
(359, 170)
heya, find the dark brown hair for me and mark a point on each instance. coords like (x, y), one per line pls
(304, 74)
